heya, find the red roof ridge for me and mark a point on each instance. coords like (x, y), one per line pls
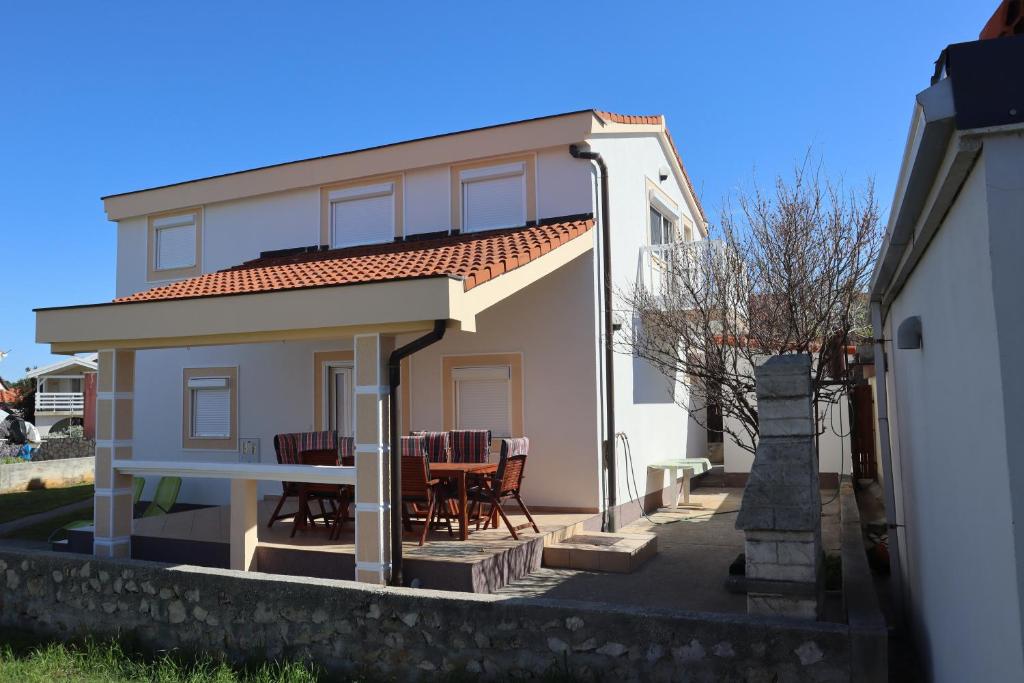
(656, 120)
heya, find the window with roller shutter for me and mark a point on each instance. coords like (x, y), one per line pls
(362, 215)
(493, 197)
(483, 399)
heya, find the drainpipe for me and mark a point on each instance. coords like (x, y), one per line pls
(884, 440)
(608, 445)
(394, 380)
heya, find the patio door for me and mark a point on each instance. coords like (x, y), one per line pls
(338, 398)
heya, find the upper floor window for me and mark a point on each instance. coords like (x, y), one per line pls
(663, 228)
(174, 245)
(362, 215)
(493, 197)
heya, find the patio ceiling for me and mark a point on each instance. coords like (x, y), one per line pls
(395, 288)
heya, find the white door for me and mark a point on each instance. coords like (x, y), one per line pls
(338, 403)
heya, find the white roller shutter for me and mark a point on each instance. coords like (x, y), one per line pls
(211, 407)
(494, 197)
(483, 399)
(175, 242)
(364, 215)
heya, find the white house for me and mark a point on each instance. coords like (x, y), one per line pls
(246, 300)
(60, 392)
(947, 307)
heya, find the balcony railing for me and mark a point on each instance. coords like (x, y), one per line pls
(49, 402)
(671, 273)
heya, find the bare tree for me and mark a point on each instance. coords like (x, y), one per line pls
(788, 273)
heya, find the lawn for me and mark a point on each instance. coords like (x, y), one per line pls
(43, 530)
(25, 503)
(26, 661)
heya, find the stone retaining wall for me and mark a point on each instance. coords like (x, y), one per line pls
(60, 449)
(401, 633)
(22, 476)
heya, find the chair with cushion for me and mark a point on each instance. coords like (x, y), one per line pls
(471, 445)
(287, 448)
(337, 496)
(506, 483)
(438, 445)
(413, 446)
(419, 490)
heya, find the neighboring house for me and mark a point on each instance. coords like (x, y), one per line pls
(947, 301)
(242, 300)
(60, 392)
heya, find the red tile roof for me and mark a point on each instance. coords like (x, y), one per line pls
(9, 396)
(476, 258)
(656, 120)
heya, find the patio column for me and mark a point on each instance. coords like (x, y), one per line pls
(114, 410)
(373, 548)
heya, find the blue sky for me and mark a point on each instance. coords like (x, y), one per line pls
(100, 98)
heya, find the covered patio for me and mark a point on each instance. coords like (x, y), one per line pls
(410, 298)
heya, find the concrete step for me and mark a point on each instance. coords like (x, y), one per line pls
(601, 551)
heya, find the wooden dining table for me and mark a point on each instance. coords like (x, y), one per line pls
(459, 473)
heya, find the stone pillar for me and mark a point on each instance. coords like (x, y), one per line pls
(373, 547)
(113, 503)
(781, 510)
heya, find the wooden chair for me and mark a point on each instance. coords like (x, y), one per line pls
(418, 489)
(287, 447)
(506, 483)
(471, 445)
(337, 496)
(438, 445)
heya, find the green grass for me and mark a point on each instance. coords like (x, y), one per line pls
(43, 530)
(24, 661)
(25, 503)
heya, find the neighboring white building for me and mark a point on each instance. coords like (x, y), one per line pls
(310, 243)
(60, 392)
(948, 301)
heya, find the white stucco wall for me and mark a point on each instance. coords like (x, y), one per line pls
(551, 324)
(950, 453)
(647, 406)
(834, 451)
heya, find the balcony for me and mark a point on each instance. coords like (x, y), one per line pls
(671, 274)
(70, 403)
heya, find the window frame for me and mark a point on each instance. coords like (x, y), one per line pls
(154, 273)
(354, 188)
(209, 443)
(322, 363)
(498, 371)
(477, 170)
(513, 360)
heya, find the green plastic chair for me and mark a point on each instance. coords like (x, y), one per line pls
(165, 497)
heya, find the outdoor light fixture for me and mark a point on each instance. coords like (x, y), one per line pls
(663, 173)
(908, 335)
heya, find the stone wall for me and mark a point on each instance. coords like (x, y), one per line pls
(400, 633)
(54, 449)
(22, 476)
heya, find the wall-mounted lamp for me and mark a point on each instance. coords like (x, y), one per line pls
(908, 335)
(663, 173)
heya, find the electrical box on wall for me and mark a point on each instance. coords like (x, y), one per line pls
(250, 450)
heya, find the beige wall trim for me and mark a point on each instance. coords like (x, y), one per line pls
(405, 396)
(529, 162)
(515, 363)
(397, 197)
(154, 275)
(320, 360)
(404, 305)
(440, 150)
(190, 442)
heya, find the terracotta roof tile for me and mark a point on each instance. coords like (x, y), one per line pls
(476, 258)
(655, 120)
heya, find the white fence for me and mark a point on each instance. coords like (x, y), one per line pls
(72, 402)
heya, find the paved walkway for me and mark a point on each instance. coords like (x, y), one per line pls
(695, 549)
